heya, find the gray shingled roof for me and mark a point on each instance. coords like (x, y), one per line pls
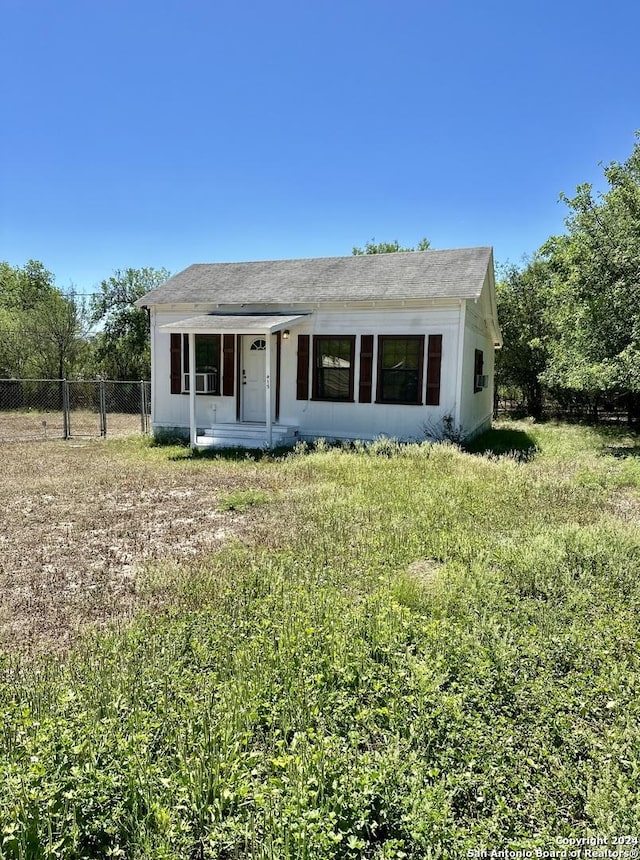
(404, 275)
(236, 323)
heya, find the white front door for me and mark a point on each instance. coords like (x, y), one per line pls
(253, 378)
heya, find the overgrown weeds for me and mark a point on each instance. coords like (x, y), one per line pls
(414, 652)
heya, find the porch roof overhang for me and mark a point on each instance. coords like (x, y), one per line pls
(221, 323)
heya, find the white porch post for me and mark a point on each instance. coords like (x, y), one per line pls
(267, 380)
(192, 390)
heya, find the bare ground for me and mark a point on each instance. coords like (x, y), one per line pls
(36, 424)
(81, 520)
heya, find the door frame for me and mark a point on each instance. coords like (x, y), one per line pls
(246, 346)
(239, 356)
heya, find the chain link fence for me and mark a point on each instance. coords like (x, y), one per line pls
(66, 408)
(572, 406)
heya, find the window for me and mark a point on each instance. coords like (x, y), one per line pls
(333, 367)
(479, 381)
(400, 360)
(207, 363)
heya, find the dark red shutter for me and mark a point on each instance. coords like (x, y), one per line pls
(366, 368)
(434, 362)
(302, 378)
(229, 365)
(176, 363)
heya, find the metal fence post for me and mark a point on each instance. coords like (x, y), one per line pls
(143, 407)
(103, 408)
(65, 409)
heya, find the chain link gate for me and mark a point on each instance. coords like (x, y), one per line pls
(32, 409)
(126, 407)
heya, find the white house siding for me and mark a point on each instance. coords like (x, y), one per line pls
(476, 408)
(323, 418)
(368, 420)
(170, 412)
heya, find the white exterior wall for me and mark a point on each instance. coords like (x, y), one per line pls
(368, 420)
(171, 411)
(476, 408)
(323, 418)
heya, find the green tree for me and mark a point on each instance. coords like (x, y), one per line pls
(373, 247)
(24, 288)
(122, 349)
(596, 307)
(42, 330)
(12, 353)
(523, 297)
(56, 333)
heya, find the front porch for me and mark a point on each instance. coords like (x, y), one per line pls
(239, 355)
(245, 435)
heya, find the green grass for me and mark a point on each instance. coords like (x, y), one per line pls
(422, 652)
(240, 500)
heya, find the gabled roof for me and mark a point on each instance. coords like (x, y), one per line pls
(456, 273)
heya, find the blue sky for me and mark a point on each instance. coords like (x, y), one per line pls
(163, 133)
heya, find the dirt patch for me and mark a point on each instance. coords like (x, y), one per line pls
(426, 572)
(625, 504)
(41, 425)
(81, 521)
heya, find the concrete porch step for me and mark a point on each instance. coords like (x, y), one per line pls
(252, 435)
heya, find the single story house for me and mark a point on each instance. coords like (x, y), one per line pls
(264, 353)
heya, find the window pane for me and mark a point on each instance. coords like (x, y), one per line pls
(400, 386)
(333, 368)
(400, 353)
(333, 383)
(334, 353)
(400, 369)
(207, 352)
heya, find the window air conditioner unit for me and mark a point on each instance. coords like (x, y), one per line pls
(205, 382)
(482, 380)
